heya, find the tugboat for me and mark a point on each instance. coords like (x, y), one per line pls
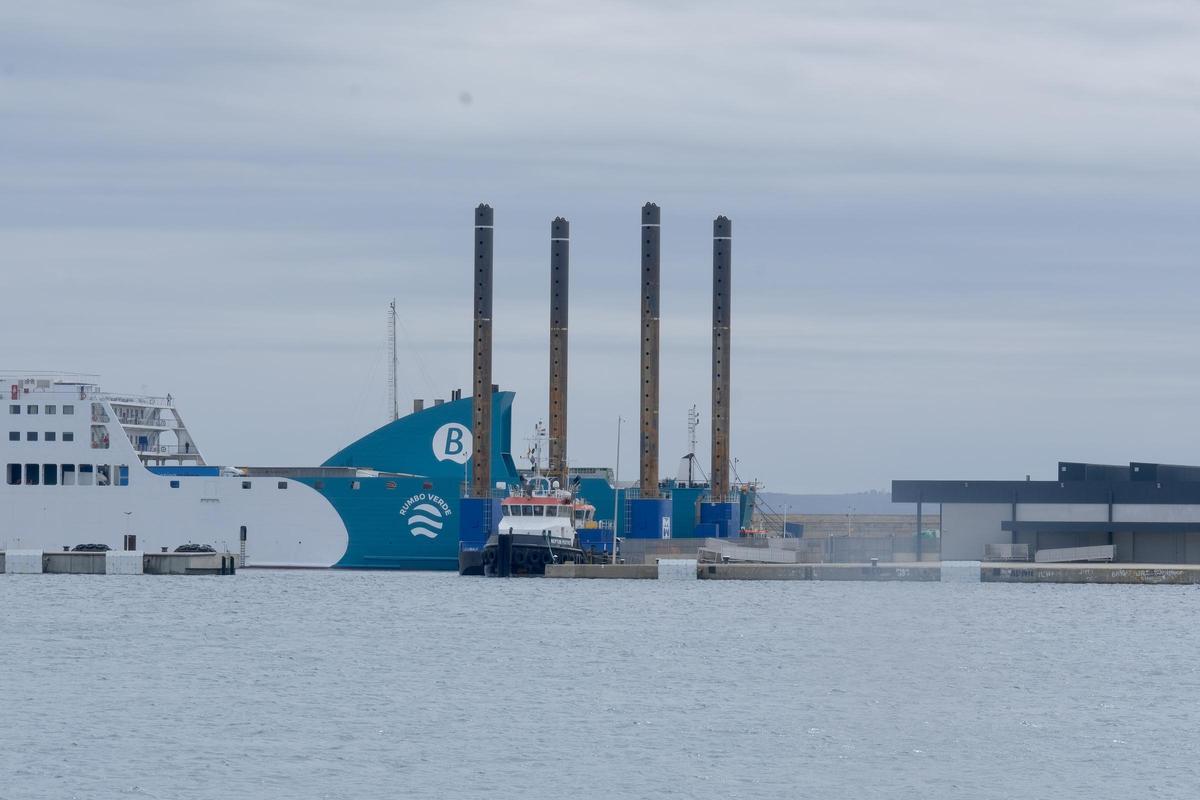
(537, 527)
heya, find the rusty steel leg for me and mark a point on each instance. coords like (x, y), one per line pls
(560, 259)
(722, 247)
(651, 220)
(481, 404)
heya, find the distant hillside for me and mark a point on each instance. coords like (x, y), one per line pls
(855, 503)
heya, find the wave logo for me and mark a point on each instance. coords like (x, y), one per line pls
(425, 514)
(452, 442)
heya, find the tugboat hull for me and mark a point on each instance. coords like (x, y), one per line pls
(524, 554)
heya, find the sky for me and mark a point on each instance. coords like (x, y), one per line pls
(965, 234)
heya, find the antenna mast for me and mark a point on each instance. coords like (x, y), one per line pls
(393, 400)
(693, 424)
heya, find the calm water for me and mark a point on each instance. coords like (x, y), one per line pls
(357, 685)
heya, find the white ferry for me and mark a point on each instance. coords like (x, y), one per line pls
(83, 467)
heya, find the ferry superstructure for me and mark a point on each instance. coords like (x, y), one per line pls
(82, 466)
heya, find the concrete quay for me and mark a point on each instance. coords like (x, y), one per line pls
(1009, 572)
(821, 572)
(115, 562)
(609, 571)
(988, 572)
(757, 572)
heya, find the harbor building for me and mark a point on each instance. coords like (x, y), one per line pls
(1137, 513)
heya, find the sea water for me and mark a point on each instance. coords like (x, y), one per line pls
(375, 684)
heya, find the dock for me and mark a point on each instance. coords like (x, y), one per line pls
(115, 562)
(944, 572)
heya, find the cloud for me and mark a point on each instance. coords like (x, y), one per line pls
(963, 233)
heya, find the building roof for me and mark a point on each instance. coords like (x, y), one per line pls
(1138, 483)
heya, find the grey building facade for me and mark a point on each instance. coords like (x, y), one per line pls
(1149, 513)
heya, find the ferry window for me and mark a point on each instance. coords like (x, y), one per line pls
(245, 484)
(98, 413)
(32, 472)
(31, 409)
(14, 474)
(355, 485)
(85, 475)
(50, 474)
(51, 409)
(14, 436)
(537, 511)
(68, 436)
(103, 476)
(68, 409)
(68, 474)
(318, 485)
(51, 436)
(281, 485)
(31, 436)
(123, 475)
(14, 409)
(174, 484)
(527, 511)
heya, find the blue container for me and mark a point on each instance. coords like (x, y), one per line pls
(650, 518)
(598, 539)
(478, 519)
(720, 514)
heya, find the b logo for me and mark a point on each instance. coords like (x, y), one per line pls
(452, 442)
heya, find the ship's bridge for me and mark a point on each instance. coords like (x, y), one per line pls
(155, 428)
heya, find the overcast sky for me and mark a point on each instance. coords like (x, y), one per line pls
(966, 239)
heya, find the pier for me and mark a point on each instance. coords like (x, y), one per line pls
(115, 562)
(955, 572)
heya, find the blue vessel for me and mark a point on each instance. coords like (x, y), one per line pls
(397, 489)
